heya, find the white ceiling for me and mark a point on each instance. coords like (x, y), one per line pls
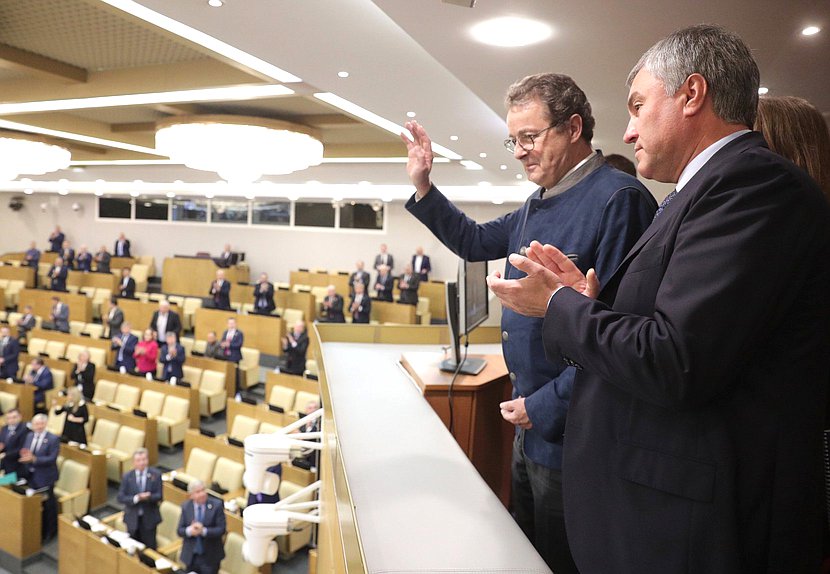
(417, 55)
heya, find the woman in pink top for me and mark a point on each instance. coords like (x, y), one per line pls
(146, 353)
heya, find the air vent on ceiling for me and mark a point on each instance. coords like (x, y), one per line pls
(466, 3)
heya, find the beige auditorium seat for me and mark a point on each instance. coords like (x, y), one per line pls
(74, 289)
(12, 316)
(228, 475)
(37, 346)
(152, 403)
(291, 316)
(126, 398)
(178, 301)
(55, 422)
(200, 465)
(157, 297)
(150, 262)
(143, 297)
(199, 346)
(167, 536)
(8, 401)
(189, 311)
(212, 393)
(302, 399)
(268, 428)
(94, 330)
(98, 357)
(76, 328)
(187, 344)
(104, 392)
(100, 302)
(311, 368)
(55, 349)
(120, 455)
(249, 367)
(282, 397)
(247, 308)
(173, 421)
(192, 375)
(234, 562)
(88, 291)
(58, 384)
(72, 352)
(72, 488)
(141, 275)
(104, 434)
(301, 536)
(13, 292)
(243, 426)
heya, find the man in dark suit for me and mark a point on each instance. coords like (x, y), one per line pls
(264, 296)
(114, 318)
(83, 261)
(122, 246)
(165, 321)
(41, 377)
(9, 352)
(12, 438)
(408, 286)
(32, 256)
(220, 290)
(56, 239)
(38, 458)
(384, 258)
(384, 284)
(361, 305)
(202, 526)
(57, 275)
(294, 348)
(359, 275)
(332, 307)
(59, 318)
(172, 356)
(421, 264)
(26, 323)
(140, 493)
(694, 433)
(68, 255)
(231, 343)
(102, 260)
(124, 345)
(126, 287)
(228, 257)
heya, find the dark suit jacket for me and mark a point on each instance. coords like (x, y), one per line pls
(68, 257)
(409, 295)
(390, 261)
(128, 290)
(32, 257)
(84, 261)
(44, 471)
(213, 550)
(26, 324)
(359, 276)
(295, 356)
(10, 354)
(58, 278)
(61, 320)
(362, 312)
(42, 382)
(150, 507)
(221, 296)
(334, 313)
(56, 242)
(233, 352)
(115, 323)
(426, 267)
(126, 252)
(264, 302)
(126, 351)
(693, 438)
(385, 294)
(174, 324)
(13, 442)
(86, 379)
(103, 259)
(173, 365)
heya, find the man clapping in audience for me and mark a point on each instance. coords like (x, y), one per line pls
(220, 290)
(57, 275)
(384, 283)
(359, 276)
(83, 261)
(264, 296)
(361, 306)
(102, 260)
(332, 307)
(172, 355)
(56, 239)
(9, 352)
(126, 288)
(140, 493)
(408, 286)
(125, 344)
(294, 347)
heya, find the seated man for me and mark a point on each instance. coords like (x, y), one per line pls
(26, 323)
(102, 260)
(172, 356)
(294, 347)
(384, 284)
(12, 437)
(41, 377)
(126, 288)
(124, 344)
(231, 344)
(332, 307)
(59, 317)
(57, 275)
(83, 261)
(361, 306)
(408, 286)
(9, 352)
(220, 290)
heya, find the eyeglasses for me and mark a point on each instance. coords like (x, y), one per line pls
(526, 141)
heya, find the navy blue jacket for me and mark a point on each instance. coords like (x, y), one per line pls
(10, 354)
(42, 383)
(264, 300)
(58, 277)
(173, 365)
(362, 312)
(56, 242)
(221, 296)
(213, 551)
(150, 507)
(233, 352)
(12, 442)
(44, 471)
(595, 222)
(126, 351)
(84, 261)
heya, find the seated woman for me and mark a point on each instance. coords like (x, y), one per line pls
(76, 416)
(84, 375)
(146, 353)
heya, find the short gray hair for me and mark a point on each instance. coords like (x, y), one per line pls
(718, 55)
(139, 451)
(194, 484)
(560, 96)
(40, 417)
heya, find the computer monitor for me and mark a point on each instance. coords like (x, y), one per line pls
(467, 308)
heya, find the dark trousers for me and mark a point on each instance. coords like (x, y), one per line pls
(201, 566)
(538, 509)
(49, 521)
(144, 534)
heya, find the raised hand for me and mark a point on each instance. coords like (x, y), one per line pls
(553, 259)
(419, 152)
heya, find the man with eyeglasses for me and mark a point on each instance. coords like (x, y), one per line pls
(592, 211)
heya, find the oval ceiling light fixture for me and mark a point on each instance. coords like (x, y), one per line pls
(810, 31)
(511, 32)
(30, 156)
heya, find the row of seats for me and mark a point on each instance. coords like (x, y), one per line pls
(212, 469)
(68, 351)
(138, 271)
(12, 288)
(291, 400)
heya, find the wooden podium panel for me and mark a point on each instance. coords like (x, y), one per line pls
(193, 275)
(25, 274)
(80, 306)
(315, 279)
(72, 543)
(20, 534)
(478, 427)
(97, 463)
(96, 280)
(262, 332)
(386, 312)
(139, 314)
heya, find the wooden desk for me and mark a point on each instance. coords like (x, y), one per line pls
(479, 429)
(25, 274)
(192, 276)
(97, 464)
(386, 312)
(96, 280)
(315, 279)
(80, 306)
(139, 314)
(118, 263)
(25, 397)
(148, 426)
(20, 534)
(436, 292)
(262, 332)
(72, 543)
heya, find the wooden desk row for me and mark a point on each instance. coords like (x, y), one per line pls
(316, 279)
(261, 332)
(25, 274)
(193, 275)
(80, 306)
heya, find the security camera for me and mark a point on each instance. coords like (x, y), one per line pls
(76, 206)
(263, 451)
(16, 203)
(261, 524)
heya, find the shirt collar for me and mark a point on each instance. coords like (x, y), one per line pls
(700, 159)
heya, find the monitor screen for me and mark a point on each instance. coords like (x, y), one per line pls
(474, 303)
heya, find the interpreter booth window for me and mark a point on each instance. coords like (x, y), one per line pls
(311, 214)
(271, 213)
(194, 210)
(115, 208)
(153, 209)
(361, 216)
(222, 211)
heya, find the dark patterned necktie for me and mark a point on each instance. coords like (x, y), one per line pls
(665, 203)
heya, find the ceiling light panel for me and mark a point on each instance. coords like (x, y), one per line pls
(511, 32)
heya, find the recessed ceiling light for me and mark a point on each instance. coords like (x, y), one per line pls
(810, 31)
(454, 138)
(482, 155)
(63, 192)
(343, 74)
(484, 184)
(510, 32)
(209, 195)
(78, 169)
(134, 193)
(410, 114)
(502, 167)
(215, 3)
(28, 191)
(519, 176)
(364, 182)
(762, 91)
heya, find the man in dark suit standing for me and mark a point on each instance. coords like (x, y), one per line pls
(114, 318)
(41, 377)
(359, 275)
(124, 346)
(332, 307)
(12, 438)
(165, 321)
(57, 275)
(264, 296)
(408, 286)
(384, 258)
(384, 284)
(231, 343)
(202, 526)
(9, 352)
(26, 323)
(59, 318)
(126, 288)
(361, 305)
(694, 433)
(220, 290)
(68, 255)
(32, 256)
(421, 264)
(56, 239)
(39, 456)
(140, 493)
(228, 257)
(172, 356)
(102, 260)
(294, 348)
(122, 246)
(83, 261)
